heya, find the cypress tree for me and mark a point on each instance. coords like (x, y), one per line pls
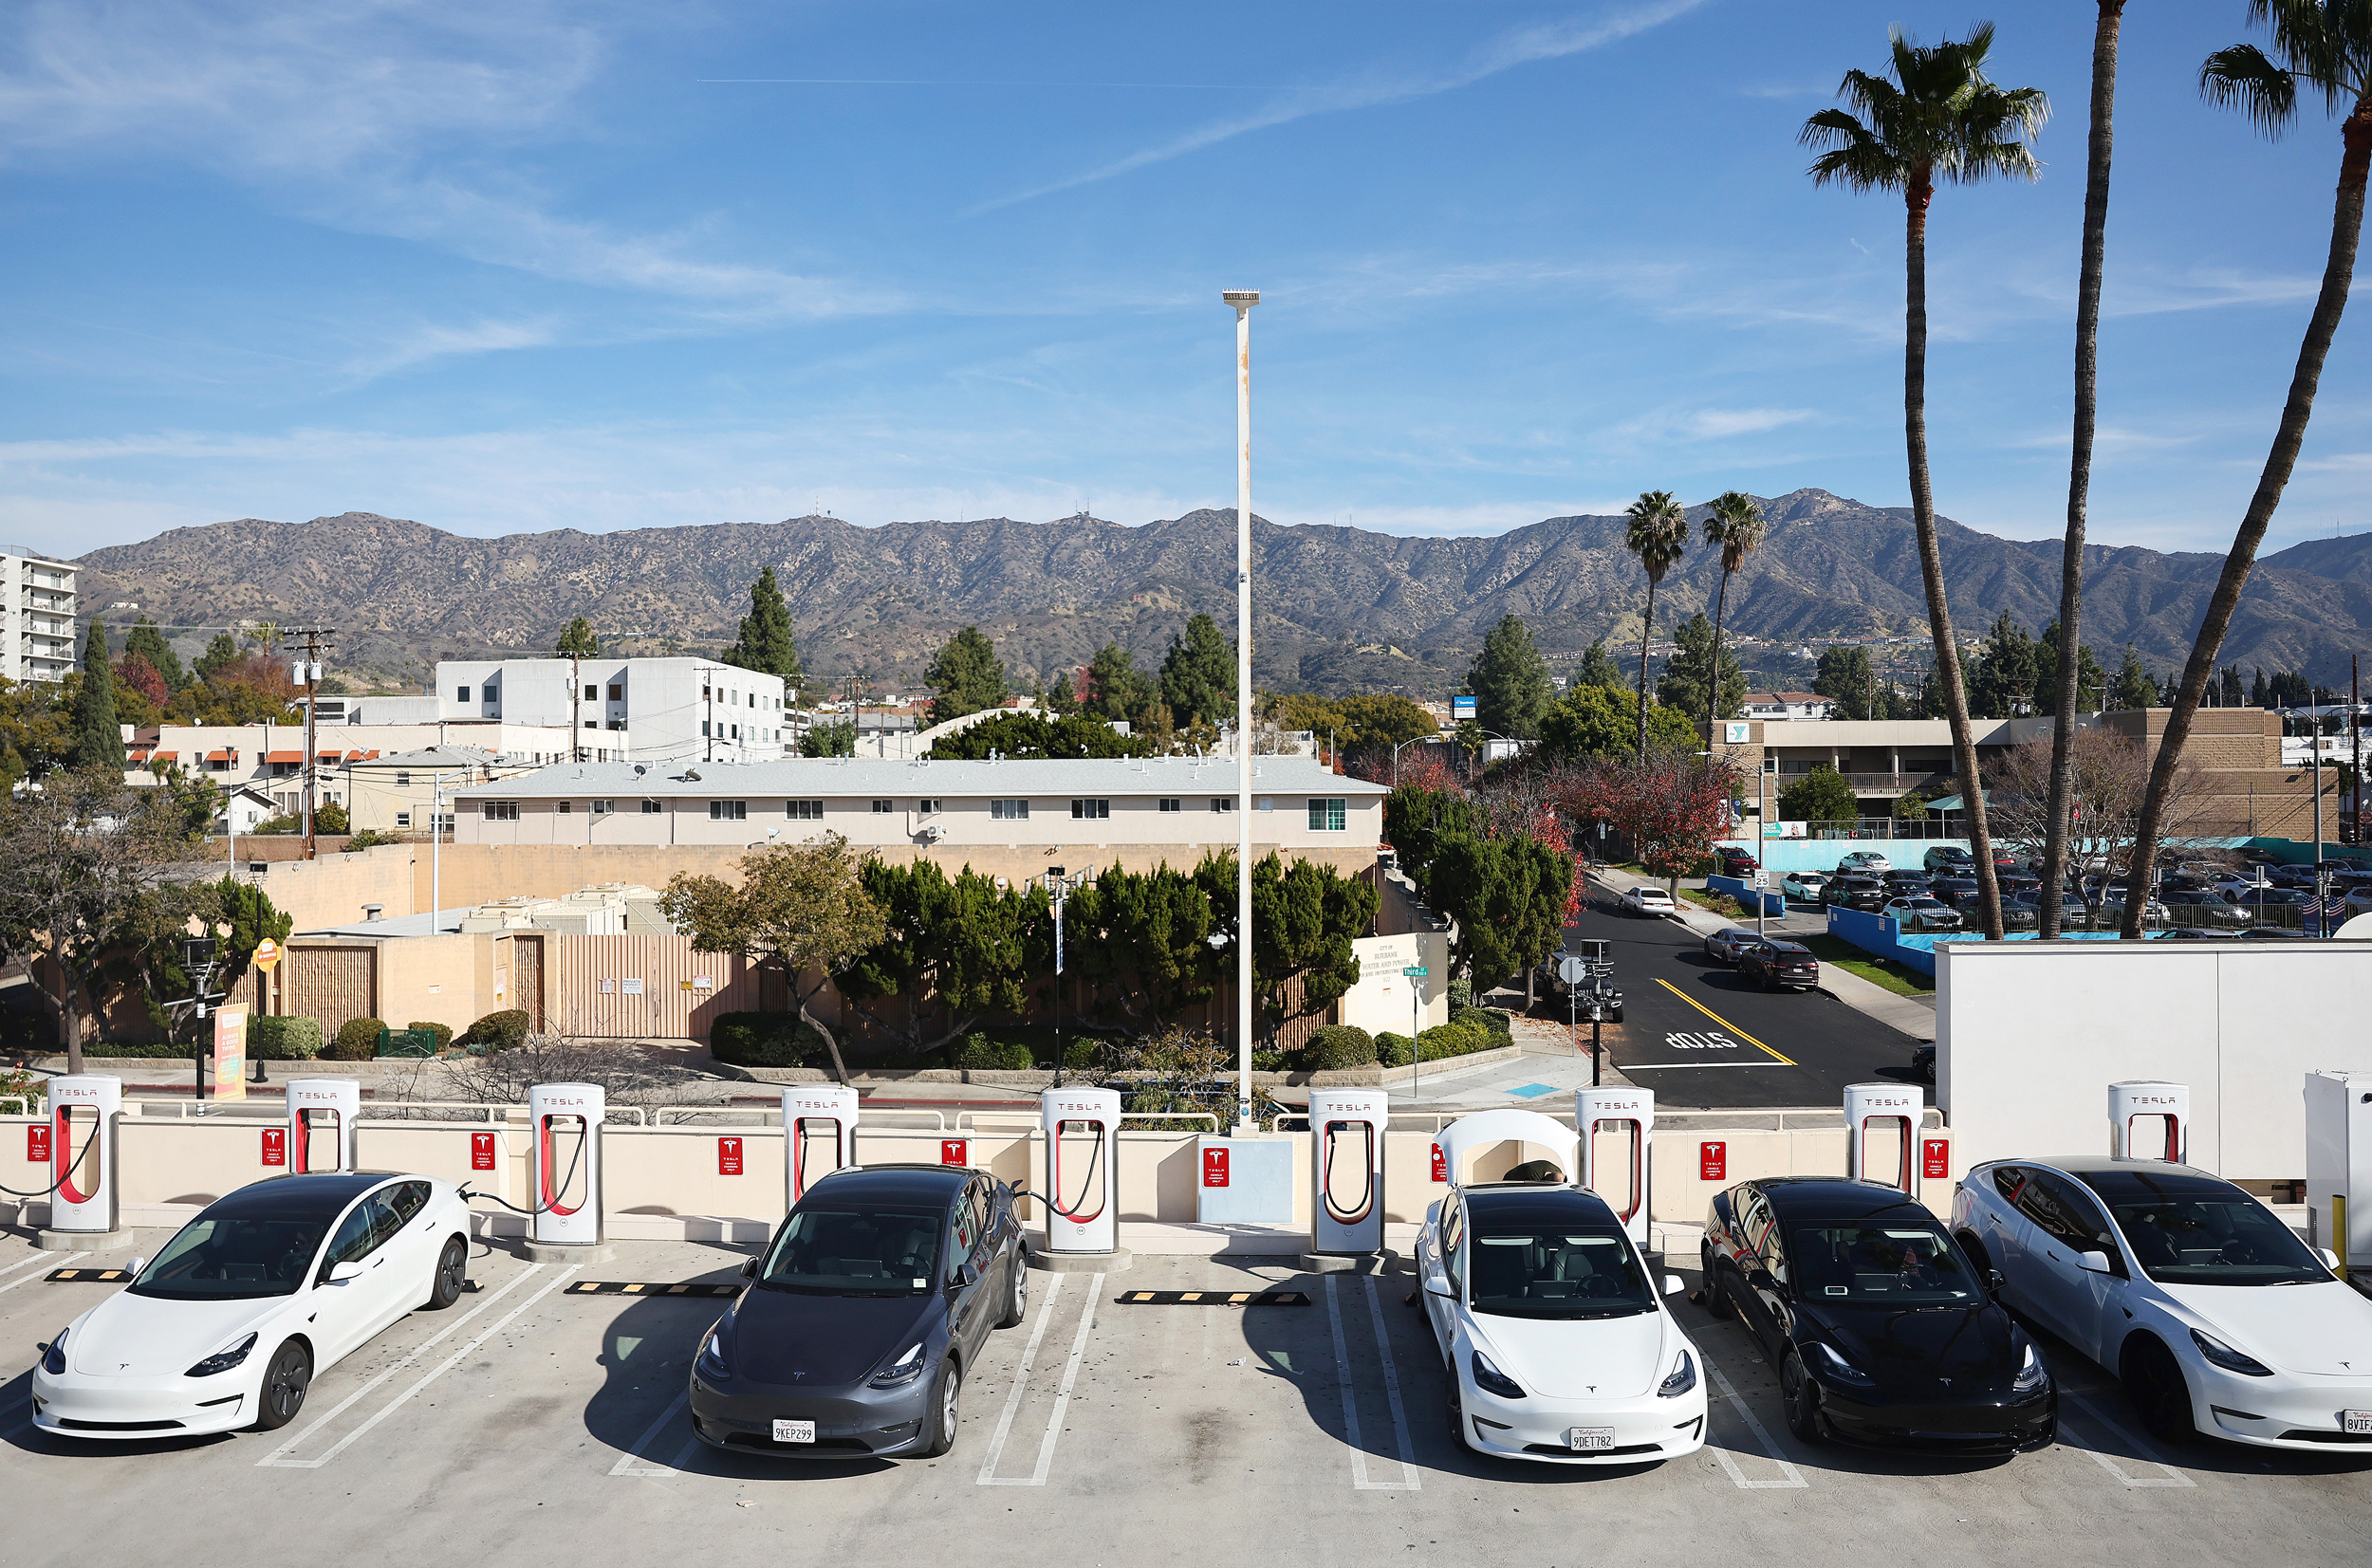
(765, 643)
(98, 736)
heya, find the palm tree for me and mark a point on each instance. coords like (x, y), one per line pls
(2326, 47)
(2062, 727)
(1733, 526)
(1659, 532)
(1939, 118)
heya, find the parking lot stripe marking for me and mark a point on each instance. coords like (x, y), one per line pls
(1350, 1404)
(36, 1258)
(1685, 1066)
(30, 1277)
(1723, 1022)
(278, 1457)
(1212, 1297)
(1070, 1379)
(2173, 1477)
(1021, 1382)
(1392, 1389)
(1791, 1475)
(631, 1462)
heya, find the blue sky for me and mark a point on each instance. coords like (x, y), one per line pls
(520, 266)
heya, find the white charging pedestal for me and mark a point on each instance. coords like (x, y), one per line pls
(564, 1174)
(1346, 1128)
(321, 1132)
(2149, 1121)
(1616, 1129)
(819, 1136)
(2339, 1172)
(1882, 1134)
(84, 1210)
(1081, 1130)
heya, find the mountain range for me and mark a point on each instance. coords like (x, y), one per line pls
(1336, 608)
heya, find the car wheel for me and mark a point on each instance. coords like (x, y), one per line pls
(1017, 1306)
(1975, 1249)
(2154, 1382)
(946, 1396)
(1456, 1413)
(444, 1288)
(1800, 1397)
(1617, 1016)
(1717, 1298)
(286, 1378)
(1769, 984)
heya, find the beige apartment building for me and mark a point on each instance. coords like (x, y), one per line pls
(37, 607)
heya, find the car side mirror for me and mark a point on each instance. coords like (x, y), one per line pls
(2092, 1262)
(341, 1273)
(1995, 1281)
(137, 1264)
(964, 1277)
(748, 1268)
(1438, 1285)
(1674, 1285)
(2330, 1259)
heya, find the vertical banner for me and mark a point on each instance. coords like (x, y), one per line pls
(231, 1053)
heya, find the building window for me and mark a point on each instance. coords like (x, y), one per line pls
(704, 727)
(729, 811)
(461, 694)
(403, 818)
(650, 808)
(592, 694)
(804, 811)
(1091, 811)
(502, 811)
(591, 724)
(736, 735)
(927, 808)
(1222, 802)
(563, 807)
(617, 692)
(602, 808)
(1326, 816)
(1010, 811)
(883, 808)
(404, 780)
(1171, 802)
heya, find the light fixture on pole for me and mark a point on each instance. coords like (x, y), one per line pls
(1242, 301)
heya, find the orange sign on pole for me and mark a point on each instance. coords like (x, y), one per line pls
(267, 955)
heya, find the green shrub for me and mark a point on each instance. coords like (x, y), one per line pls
(1392, 1050)
(760, 1040)
(284, 1037)
(981, 1052)
(1495, 1021)
(1461, 993)
(358, 1041)
(443, 1031)
(1337, 1046)
(505, 1031)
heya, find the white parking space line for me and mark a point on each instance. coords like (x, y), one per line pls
(1360, 1481)
(1790, 1476)
(1392, 1389)
(1021, 1383)
(1070, 1379)
(62, 1261)
(279, 1458)
(34, 1259)
(631, 1463)
(2173, 1477)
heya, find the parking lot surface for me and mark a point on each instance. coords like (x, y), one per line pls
(535, 1423)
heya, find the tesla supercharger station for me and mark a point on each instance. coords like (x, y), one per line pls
(819, 1134)
(323, 1113)
(1616, 1129)
(2149, 1121)
(2339, 1168)
(1882, 1134)
(1083, 1129)
(564, 1150)
(83, 1110)
(1346, 1128)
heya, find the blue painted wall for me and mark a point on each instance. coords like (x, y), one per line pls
(1773, 903)
(1786, 855)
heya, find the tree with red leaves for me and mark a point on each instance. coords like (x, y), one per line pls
(1672, 805)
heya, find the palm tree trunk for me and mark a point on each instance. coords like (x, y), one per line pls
(2338, 268)
(2080, 465)
(1713, 681)
(1646, 627)
(1920, 192)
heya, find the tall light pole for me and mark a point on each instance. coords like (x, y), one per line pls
(1243, 300)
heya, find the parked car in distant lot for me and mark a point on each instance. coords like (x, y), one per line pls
(1779, 966)
(1950, 860)
(1649, 900)
(1923, 1061)
(1857, 893)
(2014, 916)
(1922, 913)
(1724, 946)
(1729, 860)
(2109, 912)
(1960, 892)
(1804, 884)
(2192, 907)
(1863, 862)
(1902, 882)
(2074, 914)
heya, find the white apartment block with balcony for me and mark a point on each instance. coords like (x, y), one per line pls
(37, 607)
(676, 709)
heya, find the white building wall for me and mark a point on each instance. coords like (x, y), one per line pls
(676, 709)
(38, 605)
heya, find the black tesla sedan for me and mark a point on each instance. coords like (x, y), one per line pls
(1883, 1330)
(863, 1315)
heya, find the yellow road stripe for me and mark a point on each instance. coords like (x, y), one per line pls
(1724, 1023)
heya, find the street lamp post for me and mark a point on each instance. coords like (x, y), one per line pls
(1242, 301)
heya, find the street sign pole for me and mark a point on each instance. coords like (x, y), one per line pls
(1415, 974)
(1762, 880)
(1597, 1057)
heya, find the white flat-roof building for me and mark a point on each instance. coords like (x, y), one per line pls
(676, 709)
(37, 606)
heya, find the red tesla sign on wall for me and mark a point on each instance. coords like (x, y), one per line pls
(728, 1157)
(954, 1150)
(1215, 1167)
(275, 1146)
(481, 1151)
(1441, 1166)
(37, 1144)
(1712, 1161)
(1935, 1159)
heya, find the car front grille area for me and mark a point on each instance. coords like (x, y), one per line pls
(72, 1425)
(822, 1444)
(2301, 1434)
(1554, 1451)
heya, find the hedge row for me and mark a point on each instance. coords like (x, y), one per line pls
(1470, 1030)
(763, 1040)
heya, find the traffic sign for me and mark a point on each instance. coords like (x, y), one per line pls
(1414, 969)
(267, 955)
(1573, 970)
(1762, 879)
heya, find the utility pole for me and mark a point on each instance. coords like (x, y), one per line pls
(1241, 300)
(2355, 747)
(316, 637)
(707, 726)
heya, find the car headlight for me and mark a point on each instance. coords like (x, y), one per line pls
(53, 1359)
(711, 1361)
(900, 1372)
(1829, 1363)
(1683, 1380)
(1491, 1381)
(2230, 1360)
(222, 1360)
(2031, 1373)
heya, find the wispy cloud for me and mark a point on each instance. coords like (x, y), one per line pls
(1516, 46)
(1667, 427)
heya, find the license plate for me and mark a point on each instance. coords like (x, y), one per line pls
(1584, 1439)
(794, 1432)
(2356, 1423)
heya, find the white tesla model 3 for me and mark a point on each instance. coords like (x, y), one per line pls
(267, 1288)
(1558, 1343)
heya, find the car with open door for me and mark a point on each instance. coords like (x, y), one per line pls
(1883, 1329)
(864, 1316)
(2217, 1318)
(266, 1289)
(1556, 1336)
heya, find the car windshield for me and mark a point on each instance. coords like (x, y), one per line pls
(1877, 1263)
(2195, 1230)
(845, 1251)
(1573, 1271)
(234, 1257)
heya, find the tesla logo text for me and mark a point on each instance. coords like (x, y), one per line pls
(37, 1145)
(1215, 1167)
(481, 1151)
(1935, 1159)
(728, 1157)
(1713, 1162)
(275, 1146)
(1441, 1165)
(954, 1150)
